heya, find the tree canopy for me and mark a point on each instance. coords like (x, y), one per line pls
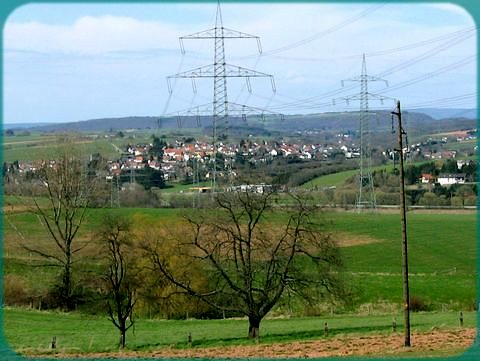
(251, 264)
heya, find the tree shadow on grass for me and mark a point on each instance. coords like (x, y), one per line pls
(274, 337)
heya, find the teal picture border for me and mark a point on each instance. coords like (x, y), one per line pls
(8, 6)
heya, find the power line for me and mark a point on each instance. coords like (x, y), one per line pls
(401, 66)
(457, 36)
(432, 74)
(445, 101)
(320, 34)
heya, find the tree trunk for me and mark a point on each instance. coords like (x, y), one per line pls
(122, 339)
(67, 284)
(254, 327)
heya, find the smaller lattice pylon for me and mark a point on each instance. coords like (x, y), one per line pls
(365, 193)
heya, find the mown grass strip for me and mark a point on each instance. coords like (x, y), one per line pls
(32, 331)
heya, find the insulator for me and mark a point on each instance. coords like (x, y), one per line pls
(259, 46)
(194, 86)
(249, 86)
(274, 89)
(182, 48)
(179, 121)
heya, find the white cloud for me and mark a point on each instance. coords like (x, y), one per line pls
(334, 52)
(453, 8)
(90, 35)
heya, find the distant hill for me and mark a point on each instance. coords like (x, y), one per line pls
(440, 113)
(16, 126)
(380, 121)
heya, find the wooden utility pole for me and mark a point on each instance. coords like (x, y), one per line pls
(406, 290)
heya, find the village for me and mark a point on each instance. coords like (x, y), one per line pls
(182, 158)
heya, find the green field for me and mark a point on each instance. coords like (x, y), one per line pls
(442, 253)
(338, 179)
(40, 147)
(442, 250)
(30, 332)
(329, 180)
(184, 188)
(442, 257)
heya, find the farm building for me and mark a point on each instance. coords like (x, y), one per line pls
(449, 179)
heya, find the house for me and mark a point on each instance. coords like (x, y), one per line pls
(449, 179)
(427, 178)
(449, 154)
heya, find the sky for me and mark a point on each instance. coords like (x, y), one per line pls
(71, 62)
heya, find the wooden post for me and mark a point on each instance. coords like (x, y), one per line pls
(406, 290)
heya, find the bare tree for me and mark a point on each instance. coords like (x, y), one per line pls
(116, 238)
(68, 192)
(253, 255)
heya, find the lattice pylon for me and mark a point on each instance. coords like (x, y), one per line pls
(365, 187)
(220, 101)
(220, 71)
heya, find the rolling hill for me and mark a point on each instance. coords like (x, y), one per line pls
(380, 121)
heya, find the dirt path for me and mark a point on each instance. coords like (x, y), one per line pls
(446, 342)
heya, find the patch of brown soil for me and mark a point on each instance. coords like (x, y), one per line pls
(448, 342)
(344, 239)
(9, 208)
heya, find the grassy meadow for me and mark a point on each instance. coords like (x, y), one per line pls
(40, 146)
(30, 332)
(442, 252)
(442, 259)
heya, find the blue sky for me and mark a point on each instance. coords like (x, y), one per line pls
(72, 62)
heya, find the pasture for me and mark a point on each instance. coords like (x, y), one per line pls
(442, 281)
(40, 146)
(442, 253)
(31, 332)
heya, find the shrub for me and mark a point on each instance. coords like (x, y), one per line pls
(15, 291)
(134, 195)
(417, 304)
(345, 198)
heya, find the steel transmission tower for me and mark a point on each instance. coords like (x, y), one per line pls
(220, 108)
(365, 193)
(115, 192)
